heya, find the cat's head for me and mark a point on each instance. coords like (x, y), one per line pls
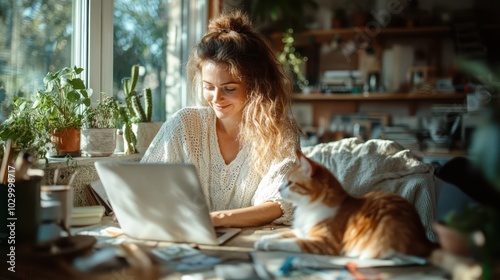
(310, 182)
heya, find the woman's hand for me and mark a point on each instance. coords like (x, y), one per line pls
(220, 218)
(251, 216)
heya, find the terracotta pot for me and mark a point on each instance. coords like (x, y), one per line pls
(66, 141)
(451, 240)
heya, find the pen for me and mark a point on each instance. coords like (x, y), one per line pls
(362, 273)
(353, 269)
(286, 267)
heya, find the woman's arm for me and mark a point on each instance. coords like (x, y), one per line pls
(247, 217)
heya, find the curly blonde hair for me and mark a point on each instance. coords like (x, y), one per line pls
(267, 126)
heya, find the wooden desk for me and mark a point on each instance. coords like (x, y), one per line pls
(234, 252)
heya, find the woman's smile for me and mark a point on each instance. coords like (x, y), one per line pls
(220, 107)
(223, 91)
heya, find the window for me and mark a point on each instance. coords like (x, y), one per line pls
(157, 35)
(35, 36)
(41, 35)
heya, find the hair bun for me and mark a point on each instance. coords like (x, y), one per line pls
(223, 30)
(237, 22)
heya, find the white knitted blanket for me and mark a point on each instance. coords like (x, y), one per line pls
(381, 165)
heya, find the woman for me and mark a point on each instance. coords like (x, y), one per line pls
(243, 138)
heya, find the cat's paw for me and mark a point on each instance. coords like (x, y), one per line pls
(272, 236)
(265, 244)
(276, 245)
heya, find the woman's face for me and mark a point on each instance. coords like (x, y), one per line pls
(224, 92)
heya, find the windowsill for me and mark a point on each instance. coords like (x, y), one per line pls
(82, 161)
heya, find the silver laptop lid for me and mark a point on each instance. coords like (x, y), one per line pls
(161, 202)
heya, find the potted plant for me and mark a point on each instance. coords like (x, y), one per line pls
(473, 231)
(139, 129)
(22, 127)
(62, 104)
(47, 125)
(98, 134)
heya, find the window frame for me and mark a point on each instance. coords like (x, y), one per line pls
(93, 44)
(98, 57)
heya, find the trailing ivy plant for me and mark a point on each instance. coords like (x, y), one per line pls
(293, 60)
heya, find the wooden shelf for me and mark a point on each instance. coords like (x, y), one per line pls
(326, 104)
(377, 96)
(321, 36)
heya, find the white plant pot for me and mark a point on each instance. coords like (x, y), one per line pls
(144, 133)
(98, 142)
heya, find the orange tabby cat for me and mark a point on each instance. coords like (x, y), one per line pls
(328, 221)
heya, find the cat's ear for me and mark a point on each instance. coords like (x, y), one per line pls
(306, 163)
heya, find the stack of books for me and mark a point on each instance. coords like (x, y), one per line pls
(403, 136)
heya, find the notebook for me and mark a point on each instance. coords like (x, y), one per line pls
(160, 201)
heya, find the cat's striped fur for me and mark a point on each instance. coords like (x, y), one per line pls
(329, 221)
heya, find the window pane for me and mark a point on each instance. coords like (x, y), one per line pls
(35, 37)
(158, 35)
(140, 37)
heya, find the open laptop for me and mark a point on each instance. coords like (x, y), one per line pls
(160, 201)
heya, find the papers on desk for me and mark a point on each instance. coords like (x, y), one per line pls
(182, 257)
(269, 265)
(106, 235)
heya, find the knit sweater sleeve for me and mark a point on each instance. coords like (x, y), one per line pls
(268, 190)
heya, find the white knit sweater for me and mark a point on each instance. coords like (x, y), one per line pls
(189, 136)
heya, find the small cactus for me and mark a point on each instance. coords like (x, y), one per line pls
(148, 103)
(128, 133)
(134, 111)
(134, 106)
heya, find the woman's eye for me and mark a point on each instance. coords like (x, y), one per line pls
(230, 89)
(208, 87)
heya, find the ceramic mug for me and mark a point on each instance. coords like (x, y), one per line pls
(64, 195)
(20, 216)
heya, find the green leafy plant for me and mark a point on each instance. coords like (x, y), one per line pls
(25, 129)
(293, 60)
(61, 104)
(64, 98)
(481, 225)
(104, 115)
(481, 222)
